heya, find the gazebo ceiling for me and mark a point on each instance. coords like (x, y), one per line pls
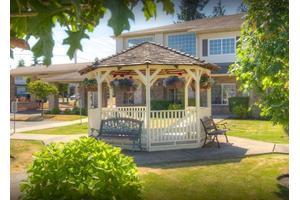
(149, 53)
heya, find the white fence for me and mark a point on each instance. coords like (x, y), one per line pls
(168, 129)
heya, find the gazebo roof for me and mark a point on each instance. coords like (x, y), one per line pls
(149, 53)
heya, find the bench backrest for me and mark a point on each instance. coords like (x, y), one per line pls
(121, 127)
(208, 124)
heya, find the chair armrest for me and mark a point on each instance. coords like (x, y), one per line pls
(224, 124)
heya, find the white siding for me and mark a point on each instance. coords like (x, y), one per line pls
(119, 44)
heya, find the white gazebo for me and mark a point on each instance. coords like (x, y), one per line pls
(146, 63)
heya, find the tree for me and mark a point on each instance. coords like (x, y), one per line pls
(41, 90)
(242, 8)
(37, 18)
(262, 62)
(21, 63)
(219, 9)
(191, 10)
(36, 61)
(62, 90)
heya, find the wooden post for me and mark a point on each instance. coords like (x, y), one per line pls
(148, 105)
(186, 92)
(99, 86)
(197, 86)
(209, 97)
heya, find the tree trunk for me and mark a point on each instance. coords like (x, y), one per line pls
(42, 114)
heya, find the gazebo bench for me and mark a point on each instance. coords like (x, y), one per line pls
(121, 128)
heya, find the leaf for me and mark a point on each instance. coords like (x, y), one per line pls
(149, 9)
(74, 40)
(120, 13)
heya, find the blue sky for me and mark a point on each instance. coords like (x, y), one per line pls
(101, 44)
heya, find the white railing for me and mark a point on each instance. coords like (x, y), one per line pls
(168, 129)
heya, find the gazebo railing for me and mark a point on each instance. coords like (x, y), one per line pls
(168, 129)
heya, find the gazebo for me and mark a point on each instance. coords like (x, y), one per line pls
(146, 63)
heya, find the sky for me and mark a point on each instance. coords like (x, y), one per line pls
(101, 44)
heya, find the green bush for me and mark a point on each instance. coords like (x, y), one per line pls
(240, 111)
(192, 102)
(55, 111)
(175, 107)
(160, 104)
(81, 169)
(239, 106)
(67, 111)
(76, 111)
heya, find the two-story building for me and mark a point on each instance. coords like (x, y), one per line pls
(211, 39)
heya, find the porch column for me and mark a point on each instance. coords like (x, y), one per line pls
(209, 97)
(148, 105)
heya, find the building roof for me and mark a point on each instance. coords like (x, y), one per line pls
(206, 25)
(72, 77)
(149, 53)
(43, 70)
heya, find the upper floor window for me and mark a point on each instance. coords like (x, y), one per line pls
(183, 42)
(136, 41)
(222, 46)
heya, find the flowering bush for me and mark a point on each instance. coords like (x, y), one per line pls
(82, 169)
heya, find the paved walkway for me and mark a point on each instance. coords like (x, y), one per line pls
(236, 148)
(30, 126)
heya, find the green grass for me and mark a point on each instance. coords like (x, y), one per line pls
(22, 151)
(249, 178)
(63, 130)
(257, 130)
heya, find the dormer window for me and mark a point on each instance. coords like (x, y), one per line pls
(222, 46)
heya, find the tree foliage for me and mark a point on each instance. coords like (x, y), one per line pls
(37, 18)
(41, 90)
(262, 57)
(191, 10)
(219, 9)
(62, 88)
(242, 8)
(21, 63)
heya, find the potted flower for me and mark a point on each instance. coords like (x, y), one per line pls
(124, 84)
(205, 81)
(90, 84)
(174, 82)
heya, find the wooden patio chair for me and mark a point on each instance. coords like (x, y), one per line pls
(212, 129)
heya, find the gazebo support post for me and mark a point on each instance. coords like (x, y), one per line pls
(186, 91)
(148, 105)
(100, 78)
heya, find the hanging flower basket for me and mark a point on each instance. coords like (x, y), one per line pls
(90, 84)
(174, 83)
(205, 81)
(124, 84)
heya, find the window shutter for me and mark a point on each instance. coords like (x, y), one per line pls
(204, 47)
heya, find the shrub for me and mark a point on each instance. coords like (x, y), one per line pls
(239, 106)
(67, 111)
(160, 104)
(240, 111)
(55, 111)
(82, 169)
(76, 111)
(175, 107)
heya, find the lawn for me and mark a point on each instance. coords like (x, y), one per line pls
(257, 130)
(63, 130)
(22, 151)
(249, 178)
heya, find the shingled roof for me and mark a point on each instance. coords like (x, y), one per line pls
(149, 53)
(205, 25)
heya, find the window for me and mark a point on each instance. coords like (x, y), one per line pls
(136, 41)
(221, 93)
(94, 99)
(183, 42)
(222, 46)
